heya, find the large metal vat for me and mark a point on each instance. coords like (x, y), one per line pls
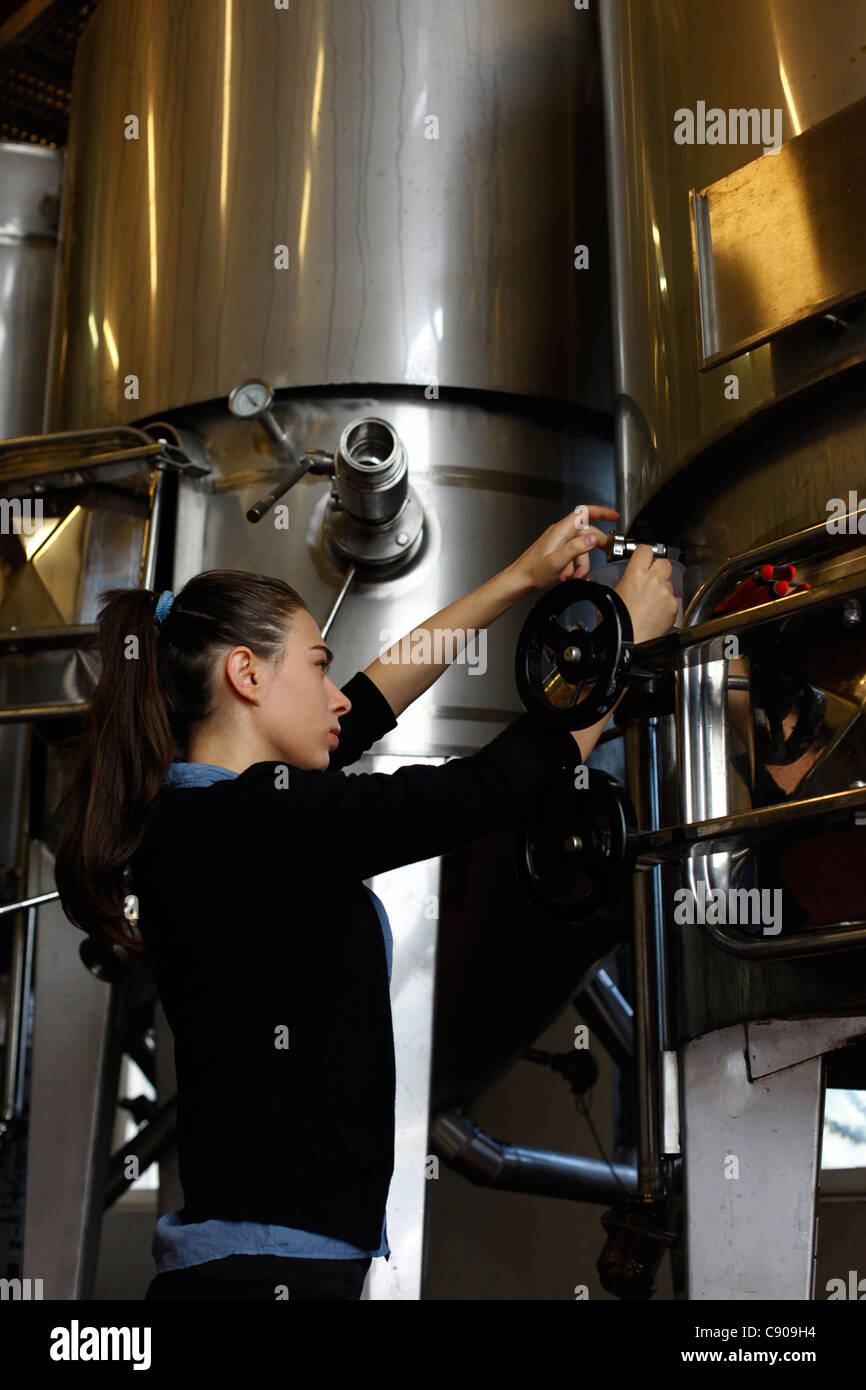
(376, 210)
(739, 345)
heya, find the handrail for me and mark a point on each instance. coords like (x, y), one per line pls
(791, 545)
(673, 650)
(708, 837)
(48, 638)
(819, 941)
(27, 902)
(718, 834)
(833, 936)
(21, 458)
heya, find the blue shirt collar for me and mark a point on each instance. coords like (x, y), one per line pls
(182, 774)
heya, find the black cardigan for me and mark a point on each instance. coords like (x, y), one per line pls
(253, 895)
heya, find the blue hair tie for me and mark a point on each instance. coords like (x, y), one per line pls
(163, 604)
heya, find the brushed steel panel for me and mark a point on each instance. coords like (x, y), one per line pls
(751, 1174)
(410, 259)
(30, 181)
(781, 239)
(489, 484)
(803, 57)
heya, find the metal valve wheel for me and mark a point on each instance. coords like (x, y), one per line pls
(575, 847)
(555, 662)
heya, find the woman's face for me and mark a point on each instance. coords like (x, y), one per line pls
(300, 705)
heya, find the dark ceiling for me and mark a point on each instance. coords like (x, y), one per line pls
(38, 42)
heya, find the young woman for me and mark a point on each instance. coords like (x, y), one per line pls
(209, 805)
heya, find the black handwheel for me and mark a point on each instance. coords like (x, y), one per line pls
(575, 846)
(555, 661)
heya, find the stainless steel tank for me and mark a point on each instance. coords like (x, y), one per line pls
(30, 187)
(380, 212)
(735, 193)
(427, 174)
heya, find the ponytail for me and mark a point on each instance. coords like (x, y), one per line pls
(155, 684)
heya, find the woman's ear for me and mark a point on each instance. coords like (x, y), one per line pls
(243, 673)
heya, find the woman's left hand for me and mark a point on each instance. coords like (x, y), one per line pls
(563, 550)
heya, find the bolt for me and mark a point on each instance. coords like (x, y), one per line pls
(852, 612)
(572, 654)
(402, 538)
(573, 842)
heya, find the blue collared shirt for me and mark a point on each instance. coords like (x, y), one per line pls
(176, 1246)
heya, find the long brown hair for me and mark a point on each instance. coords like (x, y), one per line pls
(155, 686)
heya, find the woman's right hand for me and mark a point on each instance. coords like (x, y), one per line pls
(648, 594)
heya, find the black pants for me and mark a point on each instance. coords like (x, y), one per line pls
(263, 1277)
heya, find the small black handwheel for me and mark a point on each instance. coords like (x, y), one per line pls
(555, 661)
(575, 846)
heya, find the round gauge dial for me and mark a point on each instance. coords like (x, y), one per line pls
(250, 398)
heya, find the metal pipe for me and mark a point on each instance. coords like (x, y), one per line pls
(680, 649)
(619, 547)
(17, 461)
(350, 575)
(28, 945)
(791, 545)
(724, 834)
(488, 1162)
(642, 772)
(150, 538)
(603, 1009)
(664, 753)
(23, 714)
(19, 984)
(16, 1022)
(49, 638)
(736, 830)
(146, 1146)
(28, 902)
(825, 940)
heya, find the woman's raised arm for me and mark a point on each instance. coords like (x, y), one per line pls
(411, 665)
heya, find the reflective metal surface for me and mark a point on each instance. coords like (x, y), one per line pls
(725, 463)
(64, 1201)
(373, 209)
(641, 762)
(331, 193)
(30, 182)
(780, 240)
(753, 1155)
(800, 57)
(489, 485)
(407, 893)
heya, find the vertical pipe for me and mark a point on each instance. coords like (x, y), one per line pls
(150, 539)
(20, 975)
(642, 781)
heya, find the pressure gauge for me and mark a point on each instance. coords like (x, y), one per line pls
(250, 399)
